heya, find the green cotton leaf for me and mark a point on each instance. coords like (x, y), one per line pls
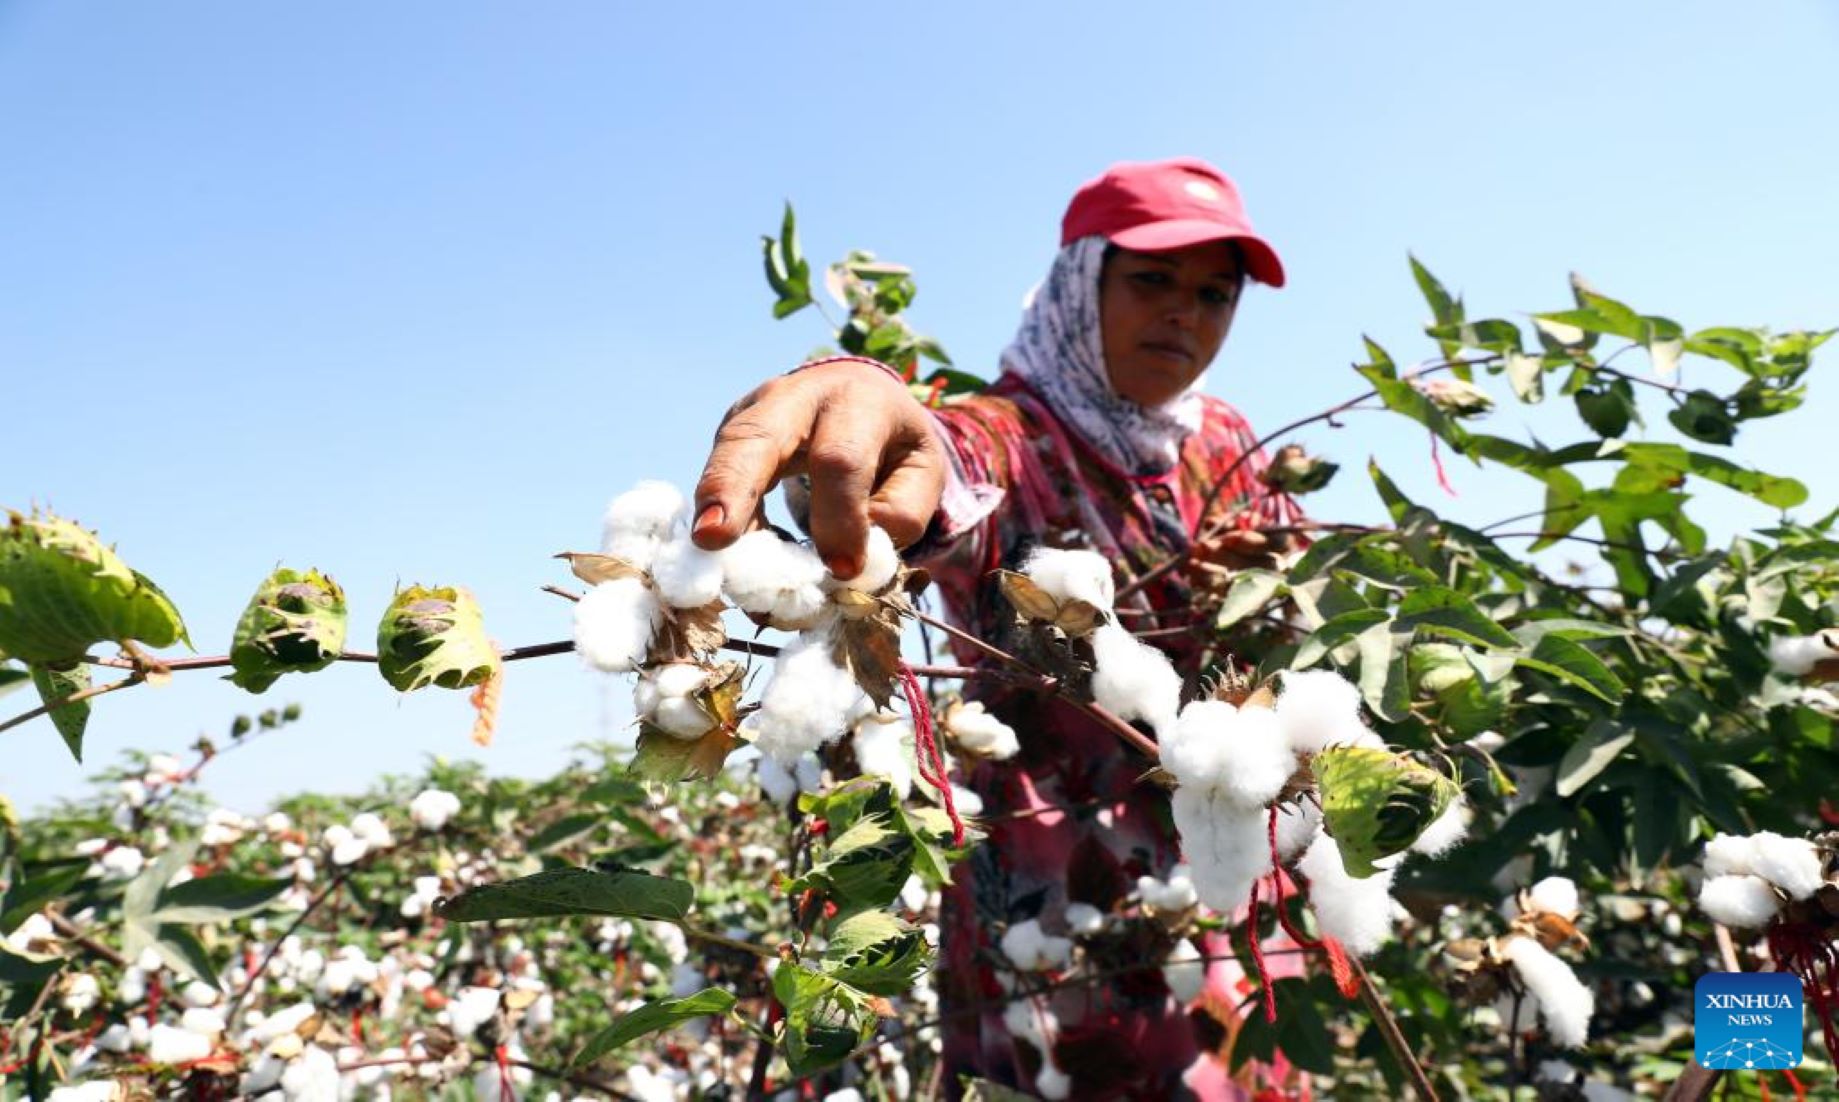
(1401, 397)
(295, 623)
(787, 272)
(1398, 506)
(142, 894)
(651, 1018)
(1572, 664)
(572, 891)
(1385, 680)
(55, 683)
(435, 637)
(1782, 493)
(1706, 417)
(1529, 633)
(216, 898)
(564, 831)
(1439, 610)
(12, 677)
(1335, 632)
(1739, 348)
(877, 953)
(1375, 803)
(62, 591)
(1601, 744)
(29, 897)
(865, 866)
(1526, 375)
(1251, 590)
(184, 953)
(1437, 666)
(825, 1018)
(1607, 409)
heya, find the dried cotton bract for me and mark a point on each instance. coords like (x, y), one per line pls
(614, 623)
(1072, 576)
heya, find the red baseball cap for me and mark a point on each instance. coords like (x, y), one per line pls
(1155, 206)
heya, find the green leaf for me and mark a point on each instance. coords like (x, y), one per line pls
(652, 1017)
(563, 831)
(1251, 591)
(1376, 802)
(1302, 1034)
(1607, 408)
(573, 891)
(1602, 743)
(1398, 506)
(62, 591)
(435, 637)
(1385, 682)
(1335, 632)
(27, 898)
(1439, 610)
(184, 953)
(56, 683)
(216, 898)
(1704, 416)
(295, 623)
(142, 894)
(1782, 493)
(825, 1018)
(865, 867)
(1526, 375)
(1571, 663)
(12, 677)
(877, 953)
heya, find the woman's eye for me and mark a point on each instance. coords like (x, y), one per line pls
(1151, 279)
(1213, 296)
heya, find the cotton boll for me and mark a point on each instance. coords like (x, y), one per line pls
(1729, 855)
(878, 566)
(1052, 1083)
(1185, 972)
(1565, 1004)
(1554, 895)
(1195, 750)
(1171, 896)
(1029, 949)
(807, 703)
(685, 575)
(665, 696)
(202, 1020)
(99, 1090)
(884, 748)
(471, 1008)
(1297, 827)
(171, 1045)
(1083, 919)
(431, 808)
(1318, 709)
(81, 992)
(1133, 679)
(614, 622)
(638, 520)
(1072, 576)
(371, 827)
(1224, 844)
(1740, 901)
(1445, 831)
(1797, 655)
(1258, 758)
(780, 784)
(122, 863)
(1355, 912)
(967, 803)
(776, 579)
(978, 732)
(1791, 864)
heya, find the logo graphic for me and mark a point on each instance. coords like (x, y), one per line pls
(1747, 1020)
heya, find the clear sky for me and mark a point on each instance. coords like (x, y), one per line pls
(407, 291)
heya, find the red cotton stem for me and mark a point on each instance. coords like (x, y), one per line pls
(1264, 973)
(926, 749)
(1436, 460)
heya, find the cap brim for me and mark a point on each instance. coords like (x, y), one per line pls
(1261, 261)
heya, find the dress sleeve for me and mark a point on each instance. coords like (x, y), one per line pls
(978, 434)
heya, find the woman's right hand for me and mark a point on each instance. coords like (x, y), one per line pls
(871, 451)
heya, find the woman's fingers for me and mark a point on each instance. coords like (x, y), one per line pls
(908, 496)
(752, 449)
(848, 439)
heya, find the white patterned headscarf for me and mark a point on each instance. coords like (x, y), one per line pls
(1059, 352)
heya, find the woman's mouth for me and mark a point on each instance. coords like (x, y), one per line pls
(1168, 351)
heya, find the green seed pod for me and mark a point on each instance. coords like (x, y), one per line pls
(1376, 802)
(54, 683)
(295, 623)
(62, 591)
(434, 637)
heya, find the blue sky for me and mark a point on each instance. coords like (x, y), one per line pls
(408, 291)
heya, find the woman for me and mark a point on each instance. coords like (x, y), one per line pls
(1096, 435)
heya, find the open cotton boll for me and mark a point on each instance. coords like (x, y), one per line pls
(1565, 1004)
(1320, 708)
(879, 564)
(171, 1045)
(1297, 826)
(1133, 679)
(1791, 864)
(1740, 901)
(614, 622)
(978, 732)
(1052, 1083)
(1797, 655)
(665, 697)
(1729, 855)
(780, 783)
(1184, 971)
(884, 748)
(638, 520)
(776, 579)
(1445, 831)
(1171, 896)
(1030, 949)
(1224, 844)
(432, 807)
(1194, 750)
(1072, 576)
(1259, 760)
(686, 576)
(807, 703)
(1357, 913)
(1083, 919)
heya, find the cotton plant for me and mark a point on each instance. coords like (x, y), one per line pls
(1520, 972)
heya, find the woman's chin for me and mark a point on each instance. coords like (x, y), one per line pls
(1153, 384)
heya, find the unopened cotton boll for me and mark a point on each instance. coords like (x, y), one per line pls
(1133, 679)
(614, 623)
(776, 579)
(978, 732)
(1030, 949)
(1320, 708)
(807, 703)
(1791, 864)
(1224, 844)
(666, 697)
(1740, 901)
(640, 519)
(1565, 1004)
(1171, 896)
(1355, 912)
(432, 807)
(1072, 576)
(1184, 971)
(1798, 655)
(685, 575)
(1445, 831)
(880, 562)
(884, 748)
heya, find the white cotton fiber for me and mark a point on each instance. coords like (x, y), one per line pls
(1241, 751)
(780, 784)
(1083, 919)
(1297, 826)
(1133, 679)
(1729, 855)
(807, 703)
(1445, 831)
(774, 578)
(1797, 655)
(1357, 913)
(978, 732)
(1739, 901)
(1072, 576)
(879, 564)
(1194, 751)
(641, 519)
(1184, 971)
(1565, 1004)
(614, 622)
(665, 697)
(1320, 708)
(884, 748)
(1224, 844)
(1171, 896)
(1791, 864)
(1030, 949)
(1554, 895)
(686, 575)
(1051, 1083)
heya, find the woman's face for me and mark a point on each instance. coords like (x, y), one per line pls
(1165, 315)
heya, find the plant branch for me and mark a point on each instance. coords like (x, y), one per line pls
(313, 904)
(1390, 1033)
(74, 698)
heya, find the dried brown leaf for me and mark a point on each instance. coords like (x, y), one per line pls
(1026, 597)
(594, 569)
